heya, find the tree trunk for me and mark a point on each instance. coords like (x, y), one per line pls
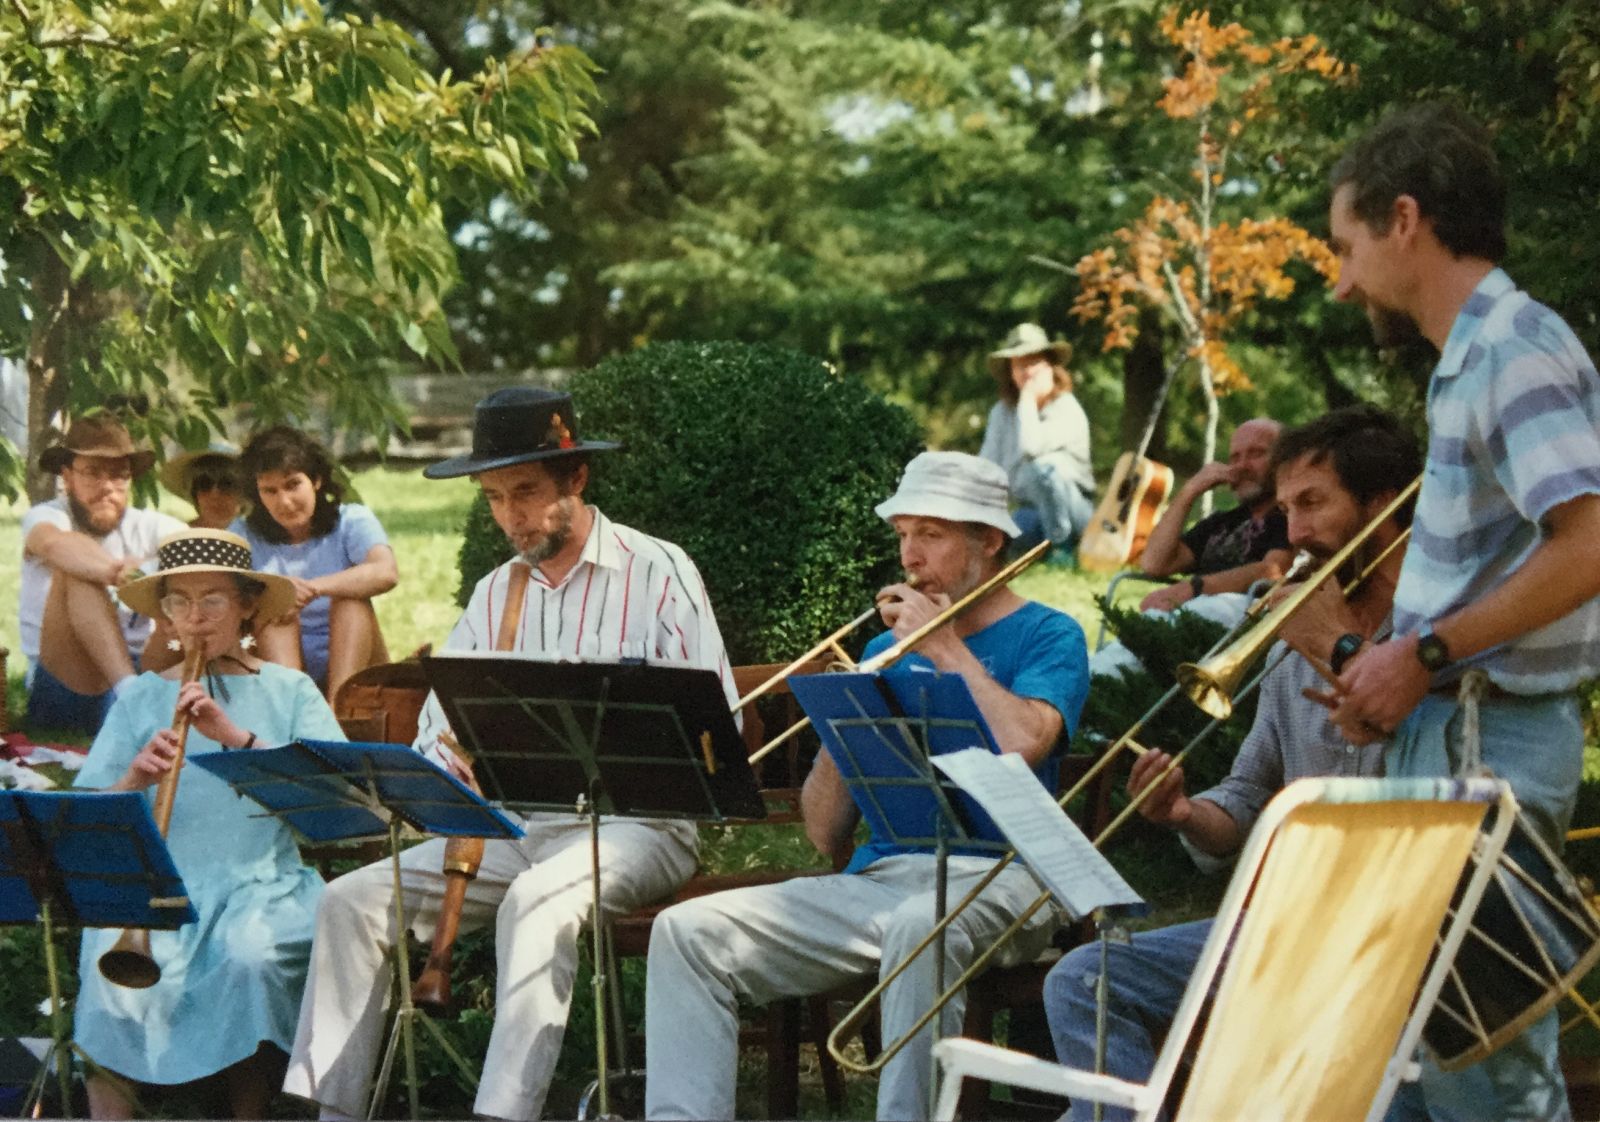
(1142, 371)
(1208, 387)
(48, 358)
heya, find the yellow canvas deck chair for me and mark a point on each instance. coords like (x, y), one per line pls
(1333, 912)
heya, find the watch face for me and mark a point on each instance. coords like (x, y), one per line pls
(1431, 652)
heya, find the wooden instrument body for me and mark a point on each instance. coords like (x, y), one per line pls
(129, 962)
(1135, 500)
(464, 856)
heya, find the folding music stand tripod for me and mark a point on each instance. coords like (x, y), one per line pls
(883, 730)
(333, 791)
(95, 860)
(621, 739)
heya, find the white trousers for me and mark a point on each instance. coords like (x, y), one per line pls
(811, 935)
(537, 890)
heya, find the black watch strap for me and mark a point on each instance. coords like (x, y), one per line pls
(1431, 651)
(1197, 584)
(1344, 649)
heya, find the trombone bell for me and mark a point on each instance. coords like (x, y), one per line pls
(1211, 688)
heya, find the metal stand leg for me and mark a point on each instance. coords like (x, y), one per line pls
(402, 1033)
(1109, 932)
(62, 1049)
(941, 904)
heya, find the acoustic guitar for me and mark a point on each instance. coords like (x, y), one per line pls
(1135, 500)
(1138, 494)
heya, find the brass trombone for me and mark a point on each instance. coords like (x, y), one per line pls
(1222, 669)
(890, 655)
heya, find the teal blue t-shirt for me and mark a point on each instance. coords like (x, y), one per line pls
(1035, 652)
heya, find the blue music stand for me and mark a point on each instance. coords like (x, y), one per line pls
(96, 860)
(328, 790)
(882, 730)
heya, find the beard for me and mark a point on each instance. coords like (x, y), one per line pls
(1392, 329)
(85, 520)
(556, 538)
(1250, 492)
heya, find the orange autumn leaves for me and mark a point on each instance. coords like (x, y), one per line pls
(1207, 273)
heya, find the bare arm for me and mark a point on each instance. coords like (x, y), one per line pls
(830, 815)
(1209, 828)
(377, 573)
(1164, 553)
(77, 555)
(1024, 725)
(1241, 577)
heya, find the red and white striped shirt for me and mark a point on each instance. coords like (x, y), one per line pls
(630, 596)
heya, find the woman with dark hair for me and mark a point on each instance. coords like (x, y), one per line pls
(335, 553)
(226, 1004)
(1039, 433)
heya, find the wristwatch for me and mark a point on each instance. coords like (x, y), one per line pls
(1431, 651)
(1197, 585)
(1344, 649)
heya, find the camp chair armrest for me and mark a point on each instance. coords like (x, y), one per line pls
(959, 1058)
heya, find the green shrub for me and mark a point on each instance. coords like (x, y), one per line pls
(762, 464)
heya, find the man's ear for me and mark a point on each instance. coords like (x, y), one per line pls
(994, 541)
(1405, 219)
(579, 480)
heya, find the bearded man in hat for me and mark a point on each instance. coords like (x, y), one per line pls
(1027, 668)
(1039, 434)
(595, 590)
(77, 548)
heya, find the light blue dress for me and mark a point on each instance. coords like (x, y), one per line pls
(342, 547)
(233, 979)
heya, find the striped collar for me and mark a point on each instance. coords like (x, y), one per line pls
(1495, 285)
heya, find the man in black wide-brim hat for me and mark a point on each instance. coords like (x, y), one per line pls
(595, 591)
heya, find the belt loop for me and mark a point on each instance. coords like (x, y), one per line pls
(1474, 683)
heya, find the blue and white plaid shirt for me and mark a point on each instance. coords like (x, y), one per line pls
(1513, 431)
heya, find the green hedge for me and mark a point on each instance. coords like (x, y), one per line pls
(761, 463)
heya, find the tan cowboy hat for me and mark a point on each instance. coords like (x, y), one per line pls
(177, 474)
(207, 551)
(1027, 339)
(101, 435)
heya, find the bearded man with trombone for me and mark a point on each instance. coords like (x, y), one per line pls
(581, 588)
(1335, 479)
(1027, 668)
(1502, 577)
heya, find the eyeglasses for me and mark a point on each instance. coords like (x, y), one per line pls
(106, 473)
(213, 605)
(204, 482)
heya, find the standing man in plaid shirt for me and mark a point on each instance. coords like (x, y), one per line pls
(1501, 572)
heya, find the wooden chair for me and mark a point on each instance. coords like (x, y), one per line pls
(1322, 998)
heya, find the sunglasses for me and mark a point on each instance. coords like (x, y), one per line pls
(204, 481)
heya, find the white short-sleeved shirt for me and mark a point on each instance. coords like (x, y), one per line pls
(136, 536)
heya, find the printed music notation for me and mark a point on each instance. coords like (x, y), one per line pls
(1064, 861)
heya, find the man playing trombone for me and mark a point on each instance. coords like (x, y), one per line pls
(1503, 576)
(1334, 476)
(1026, 666)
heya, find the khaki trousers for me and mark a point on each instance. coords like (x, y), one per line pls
(538, 892)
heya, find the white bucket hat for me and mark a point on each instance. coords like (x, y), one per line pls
(954, 486)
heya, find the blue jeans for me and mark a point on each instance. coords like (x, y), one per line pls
(52, 705)
(1536, 745)
(1053, 506)
(1148, 977)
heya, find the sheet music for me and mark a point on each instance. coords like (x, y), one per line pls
(1076, 874)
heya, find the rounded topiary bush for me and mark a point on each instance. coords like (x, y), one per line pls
(761, 463)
